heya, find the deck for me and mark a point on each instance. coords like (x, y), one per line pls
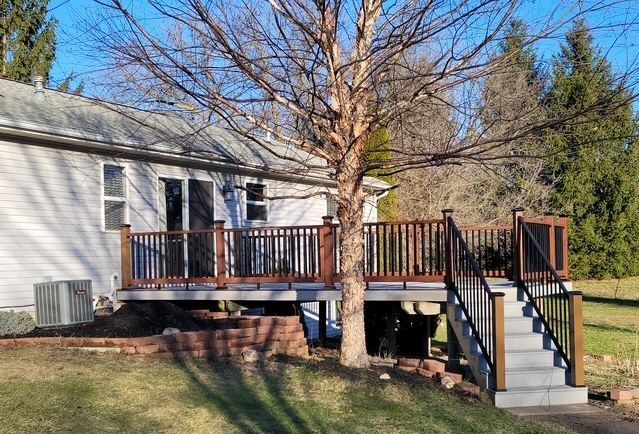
(403, 260)
(304, 292)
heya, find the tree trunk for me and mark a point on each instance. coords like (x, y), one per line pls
(350, 213)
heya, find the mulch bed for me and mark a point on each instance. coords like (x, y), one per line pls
(136, 320)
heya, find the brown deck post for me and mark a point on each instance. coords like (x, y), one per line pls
(576, 339)
(518, 248)
(563, 218)
(499, 342)
(125, 254)
(448, 250)
(220, 254)
(326, 251)
(552, 257)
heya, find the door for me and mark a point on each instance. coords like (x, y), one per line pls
(201, 245)
(171, 195)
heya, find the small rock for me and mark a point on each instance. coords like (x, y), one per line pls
(447, 382)
(456, 378)
(250, 356)
(170, 331)
(384, 376)
(470, 389)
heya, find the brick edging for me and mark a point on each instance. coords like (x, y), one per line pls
(272, 334)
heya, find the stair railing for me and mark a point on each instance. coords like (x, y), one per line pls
(484, 309)
(559, 310)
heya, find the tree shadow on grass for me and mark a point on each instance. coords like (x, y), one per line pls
(613, 301)
(610, 328)
(254, 398)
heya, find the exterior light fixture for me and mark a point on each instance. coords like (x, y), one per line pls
(228, 190)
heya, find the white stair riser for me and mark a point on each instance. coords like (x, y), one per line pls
(533, 341)
(550, 377)
(543, 397)
(518, 325)
(525, 360)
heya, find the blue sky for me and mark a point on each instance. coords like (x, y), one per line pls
(622, 50)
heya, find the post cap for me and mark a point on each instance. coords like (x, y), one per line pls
(519, 208)
(125, 226)
(498, 294)
(219, 222)
(327, 217)
(448, 210)
(549, 213)
(564, 215)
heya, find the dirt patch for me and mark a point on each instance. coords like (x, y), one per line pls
(136, 320)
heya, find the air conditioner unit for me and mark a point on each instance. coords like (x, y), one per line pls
(63, 302)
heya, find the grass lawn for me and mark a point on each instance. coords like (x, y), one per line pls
(57, 390)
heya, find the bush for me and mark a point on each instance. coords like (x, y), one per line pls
(16, 323)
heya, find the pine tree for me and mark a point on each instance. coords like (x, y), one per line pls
(379, 150)
(596, 161)
(27, 39)
(65, 86)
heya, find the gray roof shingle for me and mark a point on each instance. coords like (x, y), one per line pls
(59, 113)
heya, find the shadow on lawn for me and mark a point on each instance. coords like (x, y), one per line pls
(614, 301)
(254, 398)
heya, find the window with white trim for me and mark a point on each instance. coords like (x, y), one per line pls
(114, 193)
(256, 205)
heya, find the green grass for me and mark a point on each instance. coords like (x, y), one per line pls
(611, 324)
(49, 390)
(611, 328)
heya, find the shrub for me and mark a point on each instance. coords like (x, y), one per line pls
(16, 323)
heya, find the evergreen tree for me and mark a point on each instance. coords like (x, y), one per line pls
(596, 161)
(27, 39)
(65, 86)
(379, 150)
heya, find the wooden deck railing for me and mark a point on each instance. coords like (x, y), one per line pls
(401, 251)
(394, 252)
(492, 247)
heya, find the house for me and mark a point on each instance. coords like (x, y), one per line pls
(73, 169)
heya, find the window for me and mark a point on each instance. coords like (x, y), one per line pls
(114, 197)
(331, 206)
(256, 206)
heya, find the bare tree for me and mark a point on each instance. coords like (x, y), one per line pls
(320, 76)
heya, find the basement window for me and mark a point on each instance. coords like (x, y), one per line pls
(256, 204)
(113, 184)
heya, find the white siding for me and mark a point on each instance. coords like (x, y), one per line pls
(51, 214)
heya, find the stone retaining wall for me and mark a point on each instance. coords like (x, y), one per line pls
(271, 335)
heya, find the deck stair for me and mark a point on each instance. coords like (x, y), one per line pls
(535, 374)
